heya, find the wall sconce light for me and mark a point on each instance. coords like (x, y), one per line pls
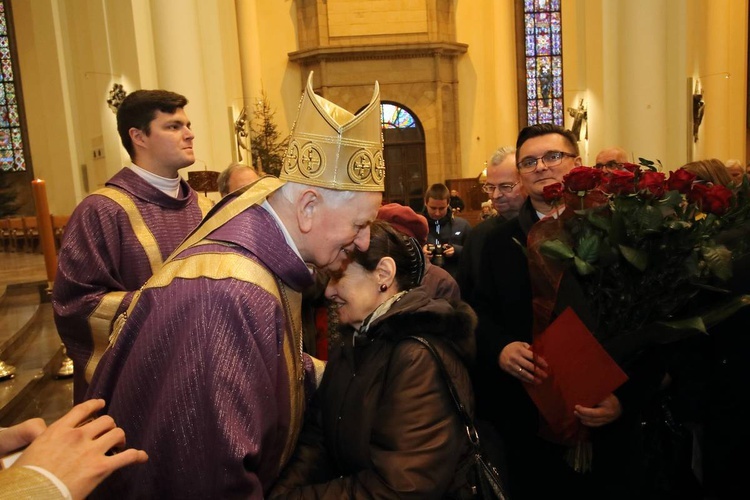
(116, 96)
(241, 133)
(482, 177)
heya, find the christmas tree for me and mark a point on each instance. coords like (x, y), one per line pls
(264, 142)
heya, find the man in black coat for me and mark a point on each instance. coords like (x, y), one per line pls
(507, 195)
(505, 361)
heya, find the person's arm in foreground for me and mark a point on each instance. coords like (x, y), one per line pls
(74, 448)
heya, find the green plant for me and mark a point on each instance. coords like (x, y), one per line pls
(265, 143)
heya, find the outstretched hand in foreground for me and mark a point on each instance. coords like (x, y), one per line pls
(75, 447)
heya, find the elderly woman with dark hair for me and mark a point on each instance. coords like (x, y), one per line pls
(383, 424)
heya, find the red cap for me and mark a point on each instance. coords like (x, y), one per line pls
(405, 220)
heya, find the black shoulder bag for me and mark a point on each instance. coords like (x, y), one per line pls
(483, 478)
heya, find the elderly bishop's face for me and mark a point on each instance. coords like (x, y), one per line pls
(339, 228)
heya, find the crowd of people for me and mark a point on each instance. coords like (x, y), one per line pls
(189, 335)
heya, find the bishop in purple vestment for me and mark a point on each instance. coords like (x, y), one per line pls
(206, 371)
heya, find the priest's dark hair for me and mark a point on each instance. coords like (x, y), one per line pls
(139, 108)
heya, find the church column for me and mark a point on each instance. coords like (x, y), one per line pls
(247, 28)
(250, 66)
(179, 55)
(642, 79)
(41, 37)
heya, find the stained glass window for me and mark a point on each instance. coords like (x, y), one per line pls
(12, 150)
(543, 52)
(392, 116)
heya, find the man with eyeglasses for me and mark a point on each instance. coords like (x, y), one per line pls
(505, 362)
(610, 159)
(507, 195)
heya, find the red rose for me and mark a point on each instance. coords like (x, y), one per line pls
(680, 180)
(552, 193)
(716, 199)
(697, 191)
(653, 182)
(582, 179)
(619, 182)
(631, 167)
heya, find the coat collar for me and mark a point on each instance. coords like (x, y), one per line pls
(133, 184)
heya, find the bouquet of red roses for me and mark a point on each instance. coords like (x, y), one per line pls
(642, 244)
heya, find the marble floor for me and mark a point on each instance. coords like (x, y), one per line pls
(52, 398)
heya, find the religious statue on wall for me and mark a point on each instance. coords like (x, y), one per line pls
(699, 107)
(579, 115)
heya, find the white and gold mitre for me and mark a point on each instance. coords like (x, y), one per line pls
(332, 148)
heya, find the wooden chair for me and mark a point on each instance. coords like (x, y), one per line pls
(17, 232)
(31, 230)
(5, 233)
(58, 228)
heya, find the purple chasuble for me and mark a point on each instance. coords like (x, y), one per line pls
(102, 261)
(201, 377)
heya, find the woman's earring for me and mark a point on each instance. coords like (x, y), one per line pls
(383, 287)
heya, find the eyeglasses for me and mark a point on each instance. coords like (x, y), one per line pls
(503, 188)
(611, 165)
(550, 159)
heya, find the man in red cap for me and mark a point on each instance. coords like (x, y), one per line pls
(437, 280)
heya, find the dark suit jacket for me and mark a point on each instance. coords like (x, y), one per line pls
(502, 299)
(469, 270)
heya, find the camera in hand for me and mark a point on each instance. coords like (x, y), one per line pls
(437, 250)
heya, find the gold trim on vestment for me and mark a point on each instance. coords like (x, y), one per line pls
(100, 323)
(253, 195)
(229, 265)
(205, 205)
(142, 232)
(295, 368)
(22, 482)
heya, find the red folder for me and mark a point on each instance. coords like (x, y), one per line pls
(580, 373)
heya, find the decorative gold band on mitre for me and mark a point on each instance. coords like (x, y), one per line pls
(332, 148)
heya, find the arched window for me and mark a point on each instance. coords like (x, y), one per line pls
(541, 62)
(394, 116)
(404, 154)
(13, 153)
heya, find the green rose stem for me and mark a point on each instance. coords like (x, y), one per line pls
(711, 317)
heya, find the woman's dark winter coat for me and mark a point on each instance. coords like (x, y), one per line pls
(383, 424)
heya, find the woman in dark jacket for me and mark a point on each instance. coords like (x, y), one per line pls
(382, 424)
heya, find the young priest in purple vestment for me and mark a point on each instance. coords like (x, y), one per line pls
(119, 236)
(207, 373)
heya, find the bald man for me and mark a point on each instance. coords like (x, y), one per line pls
(736, 170)
(235, 176)
(611, 159)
